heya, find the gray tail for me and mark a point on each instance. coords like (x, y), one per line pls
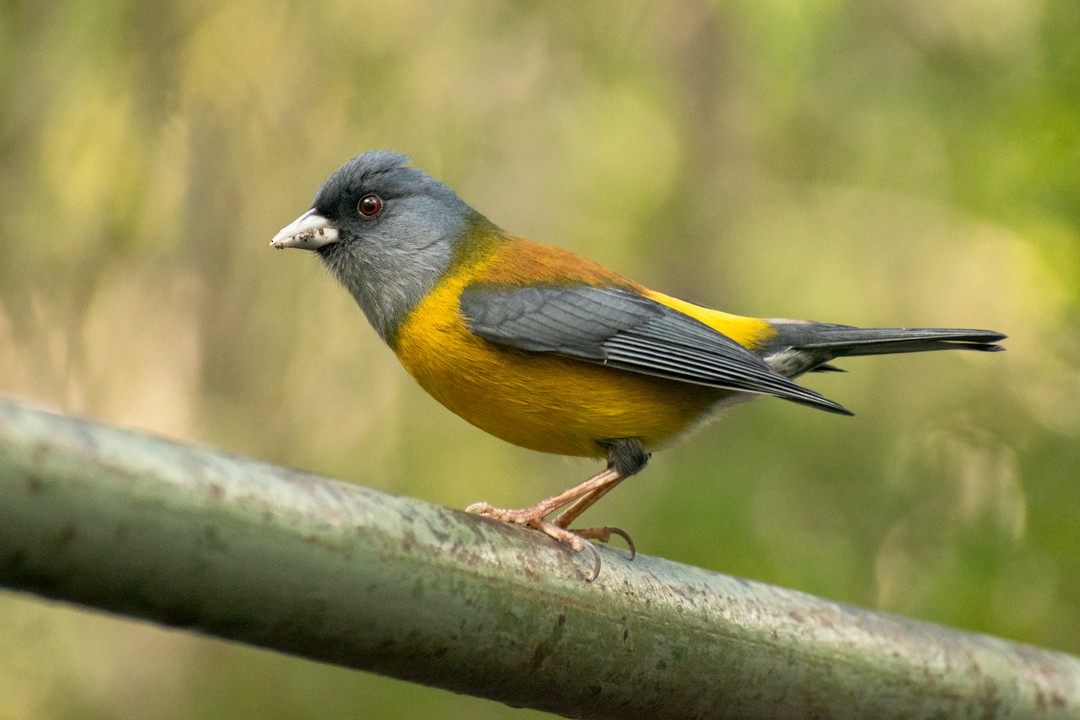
(849, 341)
(801, 347)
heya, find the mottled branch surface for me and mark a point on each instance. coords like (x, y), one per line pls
(238, 549)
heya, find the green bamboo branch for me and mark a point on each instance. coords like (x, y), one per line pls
(242, 550)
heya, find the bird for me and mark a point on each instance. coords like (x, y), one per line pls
(551, 351)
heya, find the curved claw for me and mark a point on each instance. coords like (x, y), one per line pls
(625, 536)
(596, 560)
(603, 534)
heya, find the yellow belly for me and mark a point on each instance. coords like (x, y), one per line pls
(538, 401)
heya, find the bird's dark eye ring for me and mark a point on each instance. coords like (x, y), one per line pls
(369, 205)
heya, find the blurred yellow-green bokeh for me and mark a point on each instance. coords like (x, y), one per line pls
(907, 162)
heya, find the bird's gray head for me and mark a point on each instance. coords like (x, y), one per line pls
(385, 230)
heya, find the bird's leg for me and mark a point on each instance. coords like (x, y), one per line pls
(584, 502)
(626, 456)
(535, 514)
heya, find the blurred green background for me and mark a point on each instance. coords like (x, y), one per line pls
(908, 162)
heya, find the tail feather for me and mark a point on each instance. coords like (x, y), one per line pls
(880, 341)
(801, 347)
(828, 368)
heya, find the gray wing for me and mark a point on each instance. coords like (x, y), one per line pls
(622, 329)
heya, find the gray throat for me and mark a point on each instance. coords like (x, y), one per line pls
(389, 279)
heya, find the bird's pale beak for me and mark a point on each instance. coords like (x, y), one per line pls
(310, 231)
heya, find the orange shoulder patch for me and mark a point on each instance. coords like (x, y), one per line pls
(522, 262)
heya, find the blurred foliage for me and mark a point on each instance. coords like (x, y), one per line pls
(893, 163)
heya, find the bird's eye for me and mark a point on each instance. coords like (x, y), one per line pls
(369, 205)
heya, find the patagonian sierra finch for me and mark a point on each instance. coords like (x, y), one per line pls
(549, 350)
